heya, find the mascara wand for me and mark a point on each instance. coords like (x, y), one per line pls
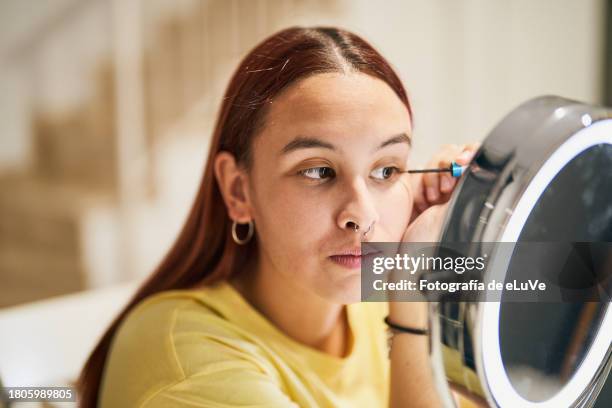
(455, 169)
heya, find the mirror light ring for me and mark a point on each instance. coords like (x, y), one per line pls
(498, 382)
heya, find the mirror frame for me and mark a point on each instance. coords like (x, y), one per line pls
(513, 167)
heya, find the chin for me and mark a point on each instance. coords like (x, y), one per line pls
(346, 292)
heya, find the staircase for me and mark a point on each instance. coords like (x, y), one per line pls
(66, 223)
(73, 165)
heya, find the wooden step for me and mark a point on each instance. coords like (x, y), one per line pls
(79, 147)
(40, 242)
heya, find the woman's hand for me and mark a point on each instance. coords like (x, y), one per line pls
(427, 226)
(432, 191)
(428, 215)
(435, 188)
(410, 368)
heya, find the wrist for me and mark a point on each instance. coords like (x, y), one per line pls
(410, 314)
(398, 328)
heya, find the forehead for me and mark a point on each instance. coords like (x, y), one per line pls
(335, 106)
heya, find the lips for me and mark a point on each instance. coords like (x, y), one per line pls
(348, 261)
(352, 258)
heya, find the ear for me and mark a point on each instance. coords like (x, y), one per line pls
(233, 184)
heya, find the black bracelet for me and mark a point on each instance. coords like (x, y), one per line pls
(405, 329)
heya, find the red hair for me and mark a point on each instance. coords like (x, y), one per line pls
(204, 251)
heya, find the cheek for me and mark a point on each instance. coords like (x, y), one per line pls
(395, 209)
(294, 219)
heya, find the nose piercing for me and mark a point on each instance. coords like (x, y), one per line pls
(356, 227)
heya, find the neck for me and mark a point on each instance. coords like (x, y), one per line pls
(299, 313)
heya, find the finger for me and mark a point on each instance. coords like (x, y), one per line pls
(448, 155)
(432, 187)
(447, 182)
(421, 206)
(444, 198)
(473, 146)
(414, 214)
(419, 200)
(438, 184)
(467, 154)
(465, 157)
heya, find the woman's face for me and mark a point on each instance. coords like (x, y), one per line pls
(326, 156)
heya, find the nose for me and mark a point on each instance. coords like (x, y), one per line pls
(358, 213)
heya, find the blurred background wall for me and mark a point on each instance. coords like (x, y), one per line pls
(106, 107)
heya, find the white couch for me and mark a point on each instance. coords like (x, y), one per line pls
(45, 343)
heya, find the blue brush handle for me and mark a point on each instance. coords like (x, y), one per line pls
(456, 169)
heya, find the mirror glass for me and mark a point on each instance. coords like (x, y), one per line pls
(542, 344)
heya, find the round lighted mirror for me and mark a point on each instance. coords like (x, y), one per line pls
(544, 174)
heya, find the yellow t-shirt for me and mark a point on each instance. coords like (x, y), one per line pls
(210, 348)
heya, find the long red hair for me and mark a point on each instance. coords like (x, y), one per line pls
(204, 251)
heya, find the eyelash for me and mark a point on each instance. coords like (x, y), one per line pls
(395, 171)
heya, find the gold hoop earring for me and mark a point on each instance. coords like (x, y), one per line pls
(249, 233)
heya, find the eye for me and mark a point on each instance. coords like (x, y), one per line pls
(318, 173)
(385, 173)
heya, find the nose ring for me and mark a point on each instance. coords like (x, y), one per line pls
(356, 227)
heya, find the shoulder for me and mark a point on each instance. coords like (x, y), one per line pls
(175, 345)
(180, 326)
(155, 317)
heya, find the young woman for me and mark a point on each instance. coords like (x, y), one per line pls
(258, 302)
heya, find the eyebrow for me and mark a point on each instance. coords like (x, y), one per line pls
(307, 142)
